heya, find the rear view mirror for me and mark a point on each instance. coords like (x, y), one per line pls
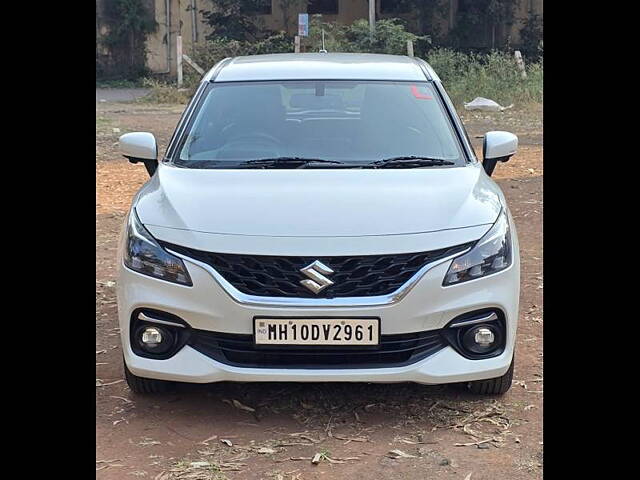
(497, 147)
(140, 147)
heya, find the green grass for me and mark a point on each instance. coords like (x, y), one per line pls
(166, 93)
(102, 122)
(494, 76)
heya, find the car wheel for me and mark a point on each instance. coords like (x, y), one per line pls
(142, 385)
(493, 386)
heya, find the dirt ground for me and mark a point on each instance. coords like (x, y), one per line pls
(273, 430)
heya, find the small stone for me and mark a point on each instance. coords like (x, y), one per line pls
(483, 446)
(444, 461)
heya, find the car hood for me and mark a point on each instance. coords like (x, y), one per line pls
(318, 202)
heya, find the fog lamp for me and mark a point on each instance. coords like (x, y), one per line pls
(481, 339)
(484, 337)
(151, 337)
(154, 339)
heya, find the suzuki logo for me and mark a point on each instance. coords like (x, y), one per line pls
(318, 281)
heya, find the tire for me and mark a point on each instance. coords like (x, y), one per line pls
(493, 386)
(142, 385)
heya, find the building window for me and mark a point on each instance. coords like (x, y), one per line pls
(323, 6)
(259, 7)
(395, 6)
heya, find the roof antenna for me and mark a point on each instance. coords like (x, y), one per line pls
(322, 50)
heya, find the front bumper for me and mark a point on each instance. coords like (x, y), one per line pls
(427, 306)
(445, 366)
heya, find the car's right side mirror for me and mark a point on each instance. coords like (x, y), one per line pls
(140, 147)
(497, 147)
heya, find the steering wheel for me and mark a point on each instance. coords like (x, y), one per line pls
(249, 144)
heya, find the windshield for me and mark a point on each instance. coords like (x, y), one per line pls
(343, 122)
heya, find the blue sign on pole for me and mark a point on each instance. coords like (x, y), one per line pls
(303, 24)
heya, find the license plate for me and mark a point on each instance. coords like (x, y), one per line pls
(317, 331)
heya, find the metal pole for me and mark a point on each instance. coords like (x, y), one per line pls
(194, 24)
(179, 59)
(410, 48)
(372, 17)
(520, 64)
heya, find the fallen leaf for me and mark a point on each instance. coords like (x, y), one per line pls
(242, 406)
(100, 384)
(212, 437)
(126, 400)
(148, 441)
(399, 454)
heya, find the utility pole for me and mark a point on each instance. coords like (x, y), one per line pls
(179, 47)
(372, 17)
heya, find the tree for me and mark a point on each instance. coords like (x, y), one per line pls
(234, 20)
(129, 22)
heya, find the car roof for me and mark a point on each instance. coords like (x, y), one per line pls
(320, 66)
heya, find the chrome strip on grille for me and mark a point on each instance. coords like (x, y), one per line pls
(254, 300)
(146, 318)
(487, 318)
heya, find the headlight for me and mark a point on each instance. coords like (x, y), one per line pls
(143, 255)
(491, 254)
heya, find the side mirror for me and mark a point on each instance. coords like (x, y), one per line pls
(140, 147)
(497, 147)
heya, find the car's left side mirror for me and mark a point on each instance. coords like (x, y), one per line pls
(140, 147)
(497, 147)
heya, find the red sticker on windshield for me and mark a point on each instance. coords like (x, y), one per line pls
(420, 95)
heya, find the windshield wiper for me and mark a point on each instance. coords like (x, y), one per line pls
(410, 161)
(285, 162)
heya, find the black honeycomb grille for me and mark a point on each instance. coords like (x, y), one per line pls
(354, 276)
(393, 351)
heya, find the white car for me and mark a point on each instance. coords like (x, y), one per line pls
(319, 218)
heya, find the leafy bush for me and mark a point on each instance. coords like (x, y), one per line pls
(209, 53)
(390, 37)
(495, 76)
(229, 19)
(165, 93)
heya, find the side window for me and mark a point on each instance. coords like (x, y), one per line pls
(183, 119)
